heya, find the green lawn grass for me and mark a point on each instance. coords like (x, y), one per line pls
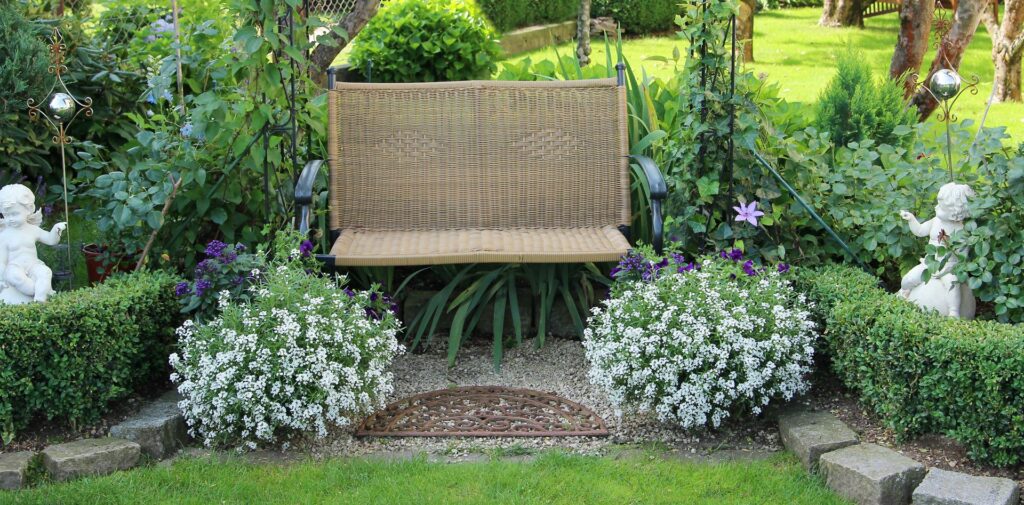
(793, 51)
(552, 479)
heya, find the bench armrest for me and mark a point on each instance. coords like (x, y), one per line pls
(659, 190)
(304, 194)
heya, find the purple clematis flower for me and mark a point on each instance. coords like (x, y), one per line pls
(748, 213)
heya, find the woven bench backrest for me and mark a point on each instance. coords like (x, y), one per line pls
(478, 155)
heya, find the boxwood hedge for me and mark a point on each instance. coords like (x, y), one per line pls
(69, 358)
(922, 372)
(508, 15)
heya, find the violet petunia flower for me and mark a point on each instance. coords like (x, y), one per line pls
(783, 268)
(748, 213)
(748, 268)
(305, 248)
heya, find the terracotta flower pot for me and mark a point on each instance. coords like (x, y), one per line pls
(100, 263)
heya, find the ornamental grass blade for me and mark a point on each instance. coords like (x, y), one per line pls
(455, 336)
(570, 304)
(513, 303)
(499, 332)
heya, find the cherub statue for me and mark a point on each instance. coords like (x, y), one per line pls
(23, 277)
(943, 292)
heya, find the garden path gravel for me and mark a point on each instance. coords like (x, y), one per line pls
(558, 367)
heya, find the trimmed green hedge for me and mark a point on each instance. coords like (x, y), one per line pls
(507, 15)
(68, 358)
(921, 372)
(639, 17)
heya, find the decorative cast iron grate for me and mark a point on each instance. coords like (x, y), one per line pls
(483, 411)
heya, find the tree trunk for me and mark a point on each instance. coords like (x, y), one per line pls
(950, 51)
(354, 21)
(1007, 80)
(1007, 40)
(842, 13)
(583, 33)
(915, 27)
(745, 29)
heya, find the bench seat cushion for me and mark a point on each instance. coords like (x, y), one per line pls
(518, 245)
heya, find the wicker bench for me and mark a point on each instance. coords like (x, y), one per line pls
(478, 172)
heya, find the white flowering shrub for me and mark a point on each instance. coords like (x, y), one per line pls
(697, 342)
(302, 355)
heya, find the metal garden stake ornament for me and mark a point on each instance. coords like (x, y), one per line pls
(60, 108)
(945, 87)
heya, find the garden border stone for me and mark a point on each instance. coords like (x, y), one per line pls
(870, 474)
(809, 434)
(159, 428)
(943, 487)
(14, 468)
(91, 456)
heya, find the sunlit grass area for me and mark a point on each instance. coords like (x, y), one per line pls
(792, 50)
(553, 478)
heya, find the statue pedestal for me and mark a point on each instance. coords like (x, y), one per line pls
(935, 295)
(12, 296)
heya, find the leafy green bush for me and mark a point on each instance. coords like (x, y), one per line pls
(425, 41)
(69, 358)
(508, 15)
(853, 107)
(639, 17)
(920, 372)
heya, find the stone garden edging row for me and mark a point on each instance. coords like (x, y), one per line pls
(870, 474)
(157, 431)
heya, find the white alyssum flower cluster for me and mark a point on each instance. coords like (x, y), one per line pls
(303, 355)
(697, 347)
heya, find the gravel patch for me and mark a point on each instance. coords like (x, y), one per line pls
(559, 367)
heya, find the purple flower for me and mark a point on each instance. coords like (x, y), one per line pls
(182, 289)
(228, 257)
(748, 213)
(688, 267)
(373, 297)
(47, 210)
(202, 285)
(783, 268)
(239, 248)
(348, 291)
(661, 264)
(372, 314)
(206, 266)
(214, 248)
(748, 268)
(305, 248)
(734, 255)
(239, 280)
(678, 259)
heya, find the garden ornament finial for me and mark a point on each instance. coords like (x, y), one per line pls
(23, 278)
(943, 292)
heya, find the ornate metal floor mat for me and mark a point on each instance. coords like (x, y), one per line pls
(483, 411)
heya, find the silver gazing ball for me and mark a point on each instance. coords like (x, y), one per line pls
(945, 84)
(62, 107)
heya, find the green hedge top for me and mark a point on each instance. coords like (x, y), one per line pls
(68, 358)
(922, 372)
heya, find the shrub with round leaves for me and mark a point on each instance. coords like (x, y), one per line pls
(426, 41)
(302, 355)
(695, 342)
